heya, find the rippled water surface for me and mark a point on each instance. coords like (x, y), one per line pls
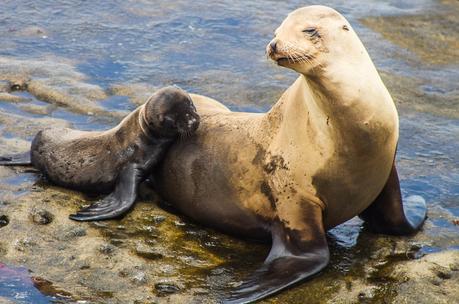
(217, 49)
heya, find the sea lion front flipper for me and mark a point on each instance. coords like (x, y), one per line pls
(22, 159)
(116, 203)
(299, 250)
(388, 214)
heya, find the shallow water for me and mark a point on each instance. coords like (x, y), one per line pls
(217, 50)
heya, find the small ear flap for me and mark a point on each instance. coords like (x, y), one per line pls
(160, 118)
(345, 27)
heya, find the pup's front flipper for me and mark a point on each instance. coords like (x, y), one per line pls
(299, 251)
(116, 203)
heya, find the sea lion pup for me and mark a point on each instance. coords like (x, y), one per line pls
(116, 160)
(323, 154)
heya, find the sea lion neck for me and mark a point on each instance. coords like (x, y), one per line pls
(342, 93)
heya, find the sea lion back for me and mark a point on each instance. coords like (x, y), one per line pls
(73, 158)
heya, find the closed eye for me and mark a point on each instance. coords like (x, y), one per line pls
(312, 31)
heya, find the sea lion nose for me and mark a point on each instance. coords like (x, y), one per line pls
(273, 46)
(193, 123)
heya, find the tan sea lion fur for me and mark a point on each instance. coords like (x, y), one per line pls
(323, 154)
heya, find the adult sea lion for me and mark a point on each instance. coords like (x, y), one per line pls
(116, 160)
(323, 154)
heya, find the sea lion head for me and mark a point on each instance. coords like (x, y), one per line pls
(170, 112)
(312, 37)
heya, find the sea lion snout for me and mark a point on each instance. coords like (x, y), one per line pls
(189, 123)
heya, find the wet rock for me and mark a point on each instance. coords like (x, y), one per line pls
(10, 122)
(31, 31)
(56, 96)
(420, 35)
(4, 86)
(71, 233)
(163, 289)
(12, 98)
(17, 83)
(179, 223)
(23, 244)
(83, 265)
(431, 279)
(200, 291)
(3, 250)
(54, 81)
(139, 278)
(158, 219)
(117, 242)
(147, 252)
(367, 294)
(107, 249)
(35, 109)
(41, 216)
(138, 92)
(150, 230)
(4, 220)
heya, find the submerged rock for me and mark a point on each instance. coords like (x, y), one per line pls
(12, 98)
(55, 81)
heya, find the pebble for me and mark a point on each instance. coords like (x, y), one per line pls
(107, 249)
(41, 216)
(163, 289)
(140, 278)
(4, 220)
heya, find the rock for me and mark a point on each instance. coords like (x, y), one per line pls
(41, 216)
(158, 219)
(12, 98)
(4, 220)
(107, 249)
(24, 244)
(71, 233)
(431, 279)
(139, 278)
(164, 289)
(147, 252)
(367, 294)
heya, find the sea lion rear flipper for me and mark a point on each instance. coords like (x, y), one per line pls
(388, 214)
(22, 159)
(298, 252)
(116, 203)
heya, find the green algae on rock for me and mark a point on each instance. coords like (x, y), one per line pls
(432, 37)
(55, 81)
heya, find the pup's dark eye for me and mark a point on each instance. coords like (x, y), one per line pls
(310, 31)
